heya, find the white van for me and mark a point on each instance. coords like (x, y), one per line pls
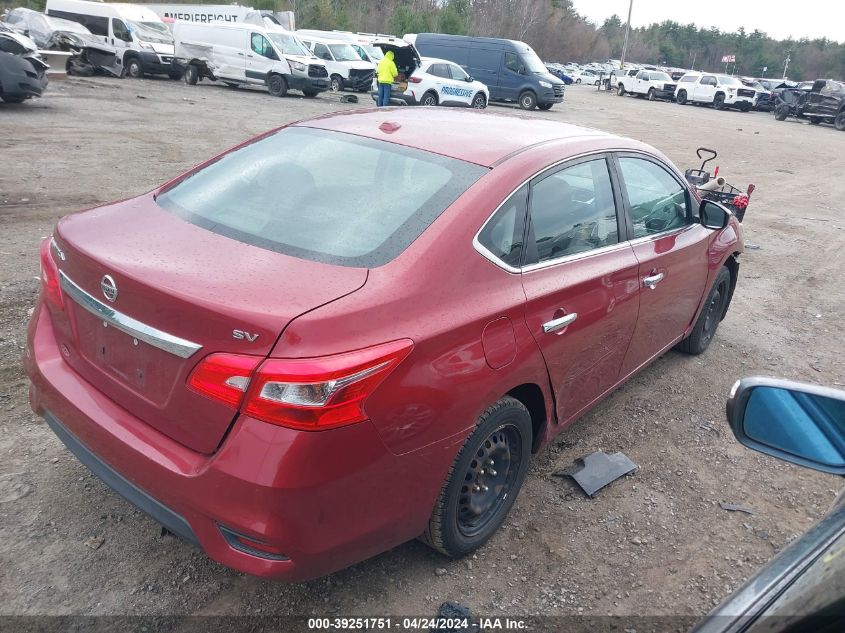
(363, 44)
(238, 53)
(346, 68)
(142, 41)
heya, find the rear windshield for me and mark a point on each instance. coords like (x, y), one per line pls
(325, 196)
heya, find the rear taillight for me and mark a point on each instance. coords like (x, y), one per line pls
(224, 377)
(50, 276)
(321, 393)
(415, 80)
(310, 394)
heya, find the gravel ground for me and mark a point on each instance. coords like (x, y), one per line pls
(656, 542)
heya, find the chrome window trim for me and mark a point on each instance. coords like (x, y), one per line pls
(180, 347)
(488, 255)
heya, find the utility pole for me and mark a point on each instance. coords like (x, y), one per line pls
(627, 31)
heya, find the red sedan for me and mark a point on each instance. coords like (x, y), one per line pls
(354, 331)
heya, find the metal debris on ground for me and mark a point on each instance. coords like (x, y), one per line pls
(349, 99)
(598, 469)
(458, 614)
(730, 507)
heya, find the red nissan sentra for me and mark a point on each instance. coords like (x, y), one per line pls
(354, 331)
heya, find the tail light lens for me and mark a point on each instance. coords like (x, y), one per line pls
(224, 377)
(50, 277)
(415, 80)
(303, 393)
(321, 393)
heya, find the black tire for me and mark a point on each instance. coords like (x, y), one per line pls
(192, 75)
(577, 81)
(527, 100)
(682, 97)
(310, 93)
(465, 516)
(545, 106)
(620, 90)
(336, 83)
(232, 84)
(175, 75)
(13, 98)
(745, 106)
(652, 95)
(479, 101)
(429, 99)
(839, 122)
(813, 120)
(277, 86)
(781, 112)
(719, 101)
(712, 313)
(134, 68)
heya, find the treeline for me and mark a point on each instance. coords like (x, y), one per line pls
(558, 33)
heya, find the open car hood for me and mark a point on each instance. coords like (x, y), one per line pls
(405, 53)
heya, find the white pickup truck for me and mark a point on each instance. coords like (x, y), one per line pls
(654, 84)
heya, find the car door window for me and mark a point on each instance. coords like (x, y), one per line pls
(457, 72)
(573, 211)
(322, 51)
(513, 63)
(708, 81)
(658, 202)
(502, 235)
(438, 70)
(120, 31)
(262, 46)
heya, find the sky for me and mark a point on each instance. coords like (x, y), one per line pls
(808, 18)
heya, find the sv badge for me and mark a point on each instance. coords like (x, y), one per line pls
(240, 335)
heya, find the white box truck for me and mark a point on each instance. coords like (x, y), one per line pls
(239, 53)
(143, 42)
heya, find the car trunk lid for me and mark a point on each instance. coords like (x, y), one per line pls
(148, 295)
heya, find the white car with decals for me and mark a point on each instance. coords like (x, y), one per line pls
(429, 81)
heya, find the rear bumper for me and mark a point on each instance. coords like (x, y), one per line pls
(323, 500)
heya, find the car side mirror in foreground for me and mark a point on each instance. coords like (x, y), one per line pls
(796, 422)
(713, 215)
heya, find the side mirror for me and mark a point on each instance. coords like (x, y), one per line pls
(713, 215)
(796, 422)
(470, 79)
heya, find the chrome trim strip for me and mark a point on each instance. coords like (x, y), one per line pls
(575, 256)
(484, 252)
(152, 336)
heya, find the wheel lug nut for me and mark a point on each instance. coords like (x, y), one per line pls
(491, 472)
(476, 488)
(484, 488)
(481, 472)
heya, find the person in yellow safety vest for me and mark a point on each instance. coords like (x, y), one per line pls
(387, 72)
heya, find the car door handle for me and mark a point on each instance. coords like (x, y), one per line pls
(558, 324)
(652, 280)
(241, 54)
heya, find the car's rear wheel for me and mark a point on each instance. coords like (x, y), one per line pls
(714, 308)
(277, 86)
(483, 481)
(781, 112)
(651, 94)
(479, 101)
(682, 97)
(620, 90)
(527, 100)
(429, 99)
(839, 122)
(577, 81)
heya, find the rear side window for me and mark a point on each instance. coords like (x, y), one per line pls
(687, 79)
(325, 196)
(573, 211)
(502, 235)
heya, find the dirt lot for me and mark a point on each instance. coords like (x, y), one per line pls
(654, 543)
